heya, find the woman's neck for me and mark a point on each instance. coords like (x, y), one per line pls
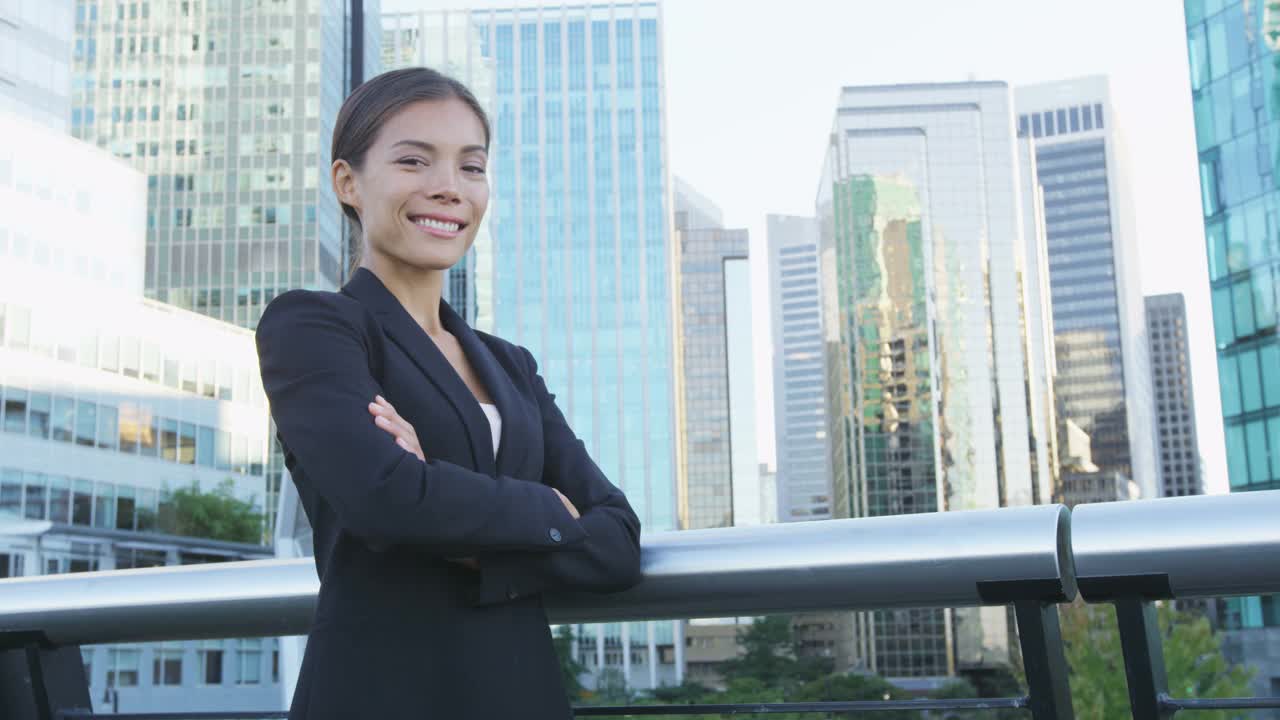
(417, 290)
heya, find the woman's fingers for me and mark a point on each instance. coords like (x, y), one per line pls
(386, 417)
(568, 504)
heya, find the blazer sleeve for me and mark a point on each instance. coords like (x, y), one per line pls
(608, 560)
(315, 370)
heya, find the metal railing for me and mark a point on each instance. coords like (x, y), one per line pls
(1030, 558)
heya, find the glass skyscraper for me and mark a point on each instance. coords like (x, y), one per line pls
(930, 378)
(799, 370)
(706, 254)
(1234, 55)
(228, 108)
(1175, 401)
(581, 264)
(1103, 383)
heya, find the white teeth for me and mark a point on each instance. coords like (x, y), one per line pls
(437, 224)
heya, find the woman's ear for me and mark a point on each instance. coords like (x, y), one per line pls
(344, 183)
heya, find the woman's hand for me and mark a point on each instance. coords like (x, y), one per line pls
(568, 504)
(386, 417)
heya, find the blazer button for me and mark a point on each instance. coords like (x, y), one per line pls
(555, 535)
(512, 594)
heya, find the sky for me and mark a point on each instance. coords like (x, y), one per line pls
(751, 93)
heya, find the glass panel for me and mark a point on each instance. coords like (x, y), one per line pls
(108, 431)
(187, 444)
(146, 510)
(82, 503)
(1250, 385)
(1237, 467)
(130, 357)
(39, 411)
(1256, 437)
(15, 410)
(1264, 298)
(10, 493)
(1242, 302)
(1273, 430)
(18, 327)
(204, 446)
(171, 372)
(150, 363)
(222, 450)
(1269, 361)
(125, 507)
(34, 504)
(168, 439)
(64, 416)
(104, 506)
(86, 422)
(59, 499)
(149, 444)
(1229, 385)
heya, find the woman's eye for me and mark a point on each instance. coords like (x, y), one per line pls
(413, 162)
(474, 169)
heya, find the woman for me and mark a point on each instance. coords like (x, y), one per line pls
(444, 487)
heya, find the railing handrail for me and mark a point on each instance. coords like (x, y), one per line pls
(951, 559)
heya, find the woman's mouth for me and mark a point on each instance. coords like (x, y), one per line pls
(438, 226)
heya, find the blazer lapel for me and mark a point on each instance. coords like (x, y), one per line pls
(498, 383)
(414, 341)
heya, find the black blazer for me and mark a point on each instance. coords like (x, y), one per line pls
(399, 631)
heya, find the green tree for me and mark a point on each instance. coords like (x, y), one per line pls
(856, 687)
(770, 656)
(1193, 661)
(217, 515)
(570, 669)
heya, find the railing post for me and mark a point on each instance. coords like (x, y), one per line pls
(1044, 660)
(39, 682)
(1143, 658)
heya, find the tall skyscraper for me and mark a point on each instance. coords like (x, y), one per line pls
(1102, 384)
(1175, 402)
(711, 258)
(35, 59)
(582, 261)
(228, 108)
(931, 382)
(799, 370)
(1233, 48)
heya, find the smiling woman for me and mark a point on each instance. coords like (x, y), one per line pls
(445, 490)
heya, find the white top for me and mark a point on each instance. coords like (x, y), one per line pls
(495, 424)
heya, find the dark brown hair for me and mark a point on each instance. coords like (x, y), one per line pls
(375, 101)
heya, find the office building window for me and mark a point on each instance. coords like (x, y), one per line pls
(249, 665)
(122, 667)
(166, 666)
(209, 663)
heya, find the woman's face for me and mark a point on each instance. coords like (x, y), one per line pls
(422, 189)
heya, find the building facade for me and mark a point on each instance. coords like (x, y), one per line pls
(711, 260)
(35, 60)
(111, 402)
(1180, 469)
(930, 379)
(1232, 50)
(799, 370)
(582, 260)
(1103, 372)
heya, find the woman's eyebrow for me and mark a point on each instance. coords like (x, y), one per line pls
(428, 147)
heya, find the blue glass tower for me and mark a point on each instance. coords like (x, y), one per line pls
(1234, 54)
